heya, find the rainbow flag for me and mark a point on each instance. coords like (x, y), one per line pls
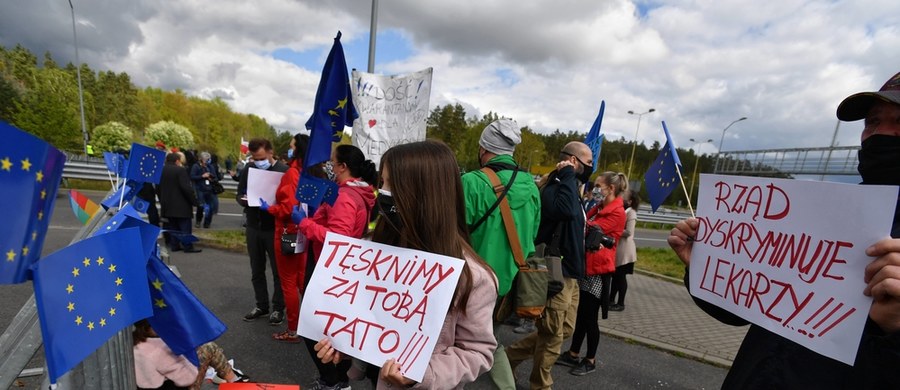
(83, 207)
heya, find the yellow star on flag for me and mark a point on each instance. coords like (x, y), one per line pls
(118, 297)
(112, 268)
(160, 303)
(78, 320)
(75, 272)
(112, 311)
(332, 113)
(25, 251)
(70, 288)
(86, 262)
(118, 281)
(157, 284)
(103, 322)
(39, 176)
(34, 235)
(90, 325)
(71, 306)
(11, 255)
(26, 165)
(6, 164)
(40, 215)
(99, 261)
(342, 103)
(43, 194)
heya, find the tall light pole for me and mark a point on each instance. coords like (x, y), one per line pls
(78, 72)
(719, 153)
(696, 164)
(373, 30)
(634, 146)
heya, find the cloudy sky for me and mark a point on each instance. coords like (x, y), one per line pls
(547, 64)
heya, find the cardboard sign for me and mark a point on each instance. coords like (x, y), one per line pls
(262, 184)
(789, 255)
(392, 110)
(377, 302)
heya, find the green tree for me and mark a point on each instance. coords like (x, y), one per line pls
(169, 133)
(50, 109)
(111, 136)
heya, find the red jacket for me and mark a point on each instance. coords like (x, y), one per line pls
(286, 199)
(348, 216)
(610, 219)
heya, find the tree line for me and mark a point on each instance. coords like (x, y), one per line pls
(41, 97)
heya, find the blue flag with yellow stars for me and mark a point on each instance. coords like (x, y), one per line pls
(127, 217)
(145, 164)
(130, 187)
(314, 191)
(333, 108)
(594, 139)
(179, 318)
(115, 163)
(86, 293)
(30, 170)
(662, 177)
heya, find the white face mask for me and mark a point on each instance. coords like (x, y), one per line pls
(598, 193)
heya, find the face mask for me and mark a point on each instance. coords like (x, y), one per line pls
(597, 193)
(585, 175)
(879, 160)
(387, 208)
(329, 170)
(290, 154)
(262, 164)
(208, 161)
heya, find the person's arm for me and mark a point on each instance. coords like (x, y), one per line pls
(241, 195)
(560, 196)
(630, 222)
(472, 353)
(341, 219)
(196, 172)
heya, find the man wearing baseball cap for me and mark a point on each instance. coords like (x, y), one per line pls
(769, 361)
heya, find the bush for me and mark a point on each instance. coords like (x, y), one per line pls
(169, 133)
(111, 136)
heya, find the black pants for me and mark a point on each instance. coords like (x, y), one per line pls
(260, 245)
(181, 228)
(589, 307)
(329, 373)
(620, 284)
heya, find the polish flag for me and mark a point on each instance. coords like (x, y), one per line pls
(245, 146)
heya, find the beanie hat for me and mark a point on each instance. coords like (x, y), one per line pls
(856, 106)
(501, 137)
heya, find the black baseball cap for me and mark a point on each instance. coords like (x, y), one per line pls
(856, 106)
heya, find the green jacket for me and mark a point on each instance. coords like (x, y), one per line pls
(489, 240)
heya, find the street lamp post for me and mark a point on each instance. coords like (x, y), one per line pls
(78, 72)
(634, 146)
(696, 165)
(719, 153)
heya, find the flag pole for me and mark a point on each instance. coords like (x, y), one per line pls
(688, 197)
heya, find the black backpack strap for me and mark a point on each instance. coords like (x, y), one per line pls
(500, 198)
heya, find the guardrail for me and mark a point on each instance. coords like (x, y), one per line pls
(95, 169)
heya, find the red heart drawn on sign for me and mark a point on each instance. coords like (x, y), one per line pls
(372, 123)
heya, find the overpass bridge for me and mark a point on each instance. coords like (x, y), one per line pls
(837, 160)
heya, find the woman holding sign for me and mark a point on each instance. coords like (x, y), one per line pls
(423, 209)
(348, 216)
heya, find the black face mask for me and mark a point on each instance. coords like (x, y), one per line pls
(585, 174)
(387, 208)
(879, 160)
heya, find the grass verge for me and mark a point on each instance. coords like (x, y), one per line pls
(229, 240)
(660, 261)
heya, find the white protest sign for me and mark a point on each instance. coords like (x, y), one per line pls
(789, 255)
(392, 110)
(262, 184)
(377, 302)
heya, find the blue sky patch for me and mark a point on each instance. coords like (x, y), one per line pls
(390, 46)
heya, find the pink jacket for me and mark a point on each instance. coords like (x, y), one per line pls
(154, 362)
(465, 347)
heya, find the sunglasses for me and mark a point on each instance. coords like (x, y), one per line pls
(578, 159)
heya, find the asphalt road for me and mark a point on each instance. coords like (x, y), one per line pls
(221, 280)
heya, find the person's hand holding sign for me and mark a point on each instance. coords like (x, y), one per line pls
(681, 238)
(883, 278)
(390, 373)
(326, 352)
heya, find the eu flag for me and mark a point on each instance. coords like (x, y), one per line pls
(313, 191)
(333, 108)
(145, 164)
(179, 318)
(594, 139)
(662, 177)
(86, 293)
(130, 188)
(114, 163)
(30, 170)
(127, 217)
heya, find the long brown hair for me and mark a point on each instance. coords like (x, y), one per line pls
(427, 191)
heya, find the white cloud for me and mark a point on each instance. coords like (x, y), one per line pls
(548, 64)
